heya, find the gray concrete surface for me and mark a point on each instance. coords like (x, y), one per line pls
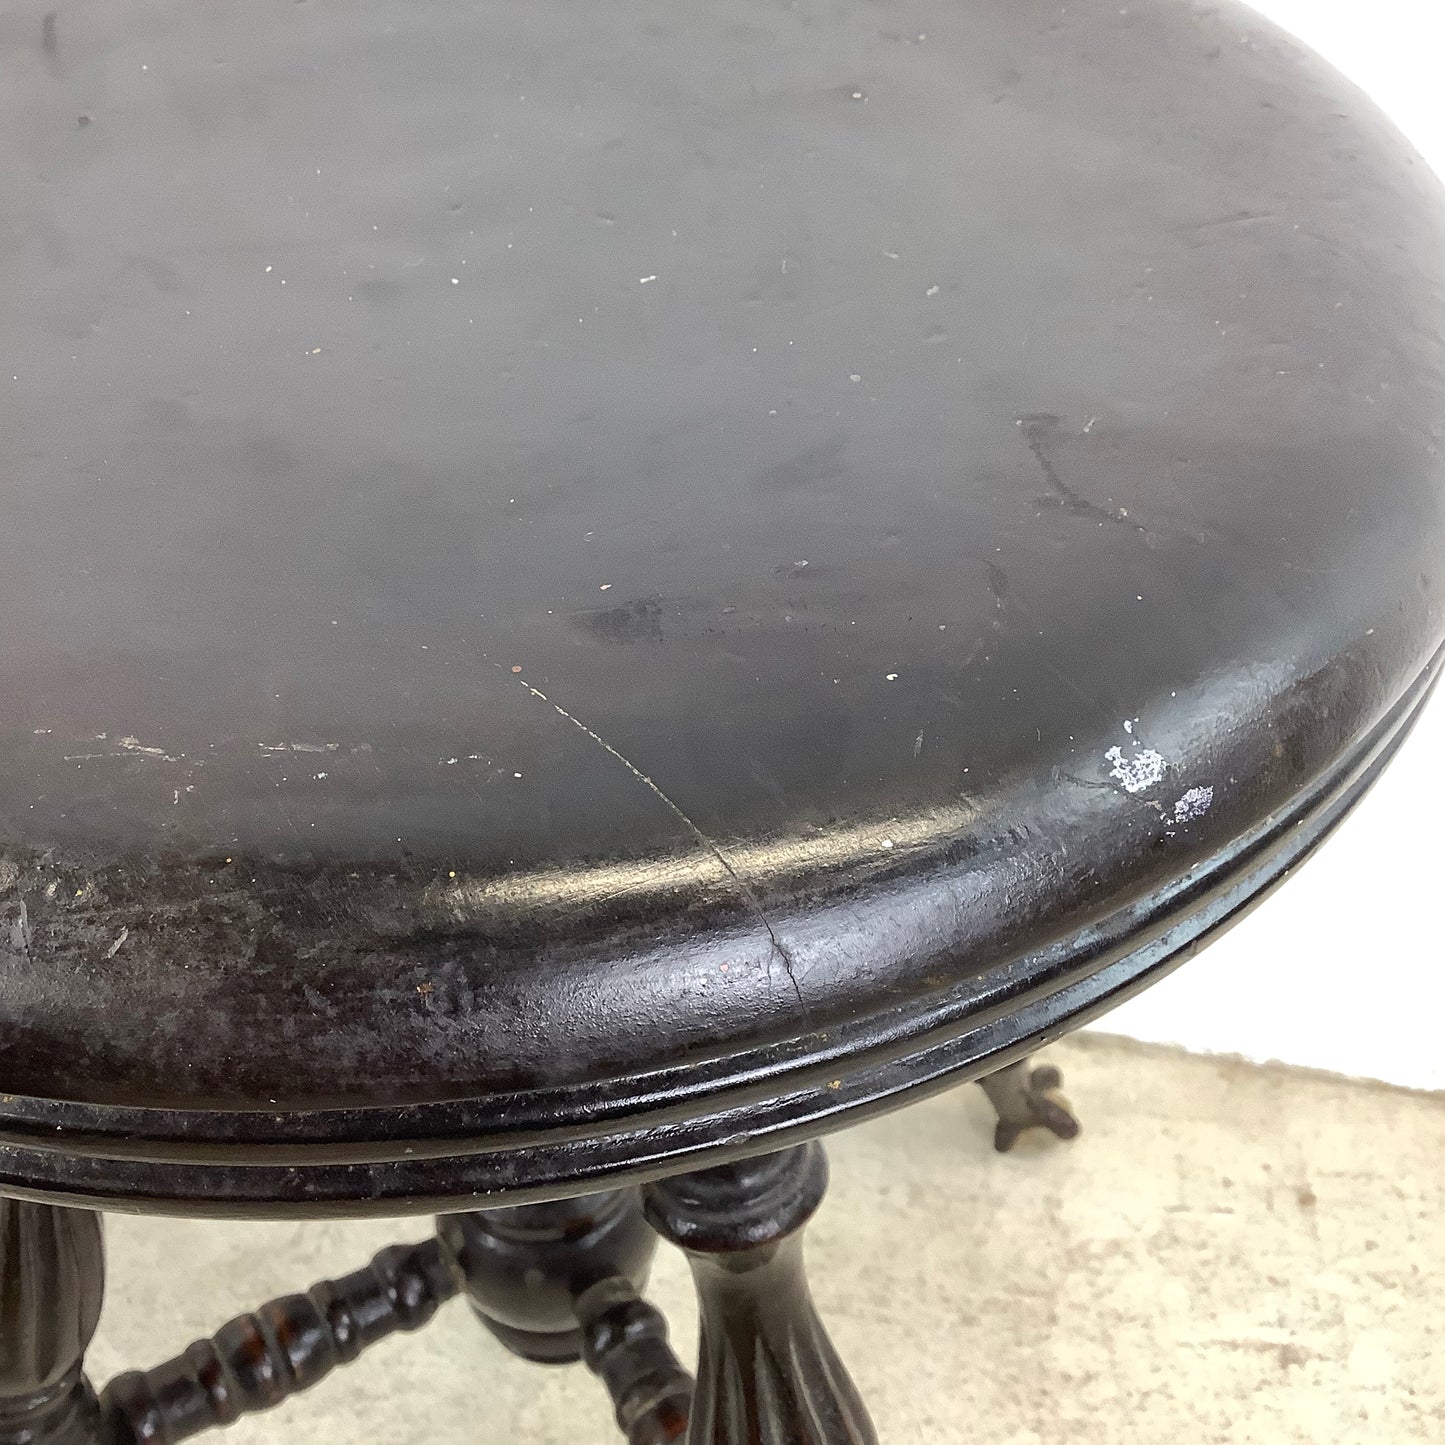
(1229, 1254)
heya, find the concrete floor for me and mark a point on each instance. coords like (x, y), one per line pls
(1229, 1253)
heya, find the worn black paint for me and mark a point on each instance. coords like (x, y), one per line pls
(1162, 446)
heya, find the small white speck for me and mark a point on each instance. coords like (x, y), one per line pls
(516, 775)
(888, 842)
(120, 938)
(456, 280)
(323, 775)
(268, 270)
(892, 677)
(932, 291)
(605, 587)
(803, 563)
(643, 280)
(854, 376)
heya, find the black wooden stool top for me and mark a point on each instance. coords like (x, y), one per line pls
(582, 584)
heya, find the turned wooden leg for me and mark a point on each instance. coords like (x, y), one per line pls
(260, 1359)
(767, 1372)
(1025, 1096)
(52, 1276)
(560, 1282)
(624, 1342)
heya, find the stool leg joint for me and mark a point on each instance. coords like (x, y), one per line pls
(562, 1281)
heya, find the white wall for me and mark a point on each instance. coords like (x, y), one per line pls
(1344, 968)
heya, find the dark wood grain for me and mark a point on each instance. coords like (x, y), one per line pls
(497, 732)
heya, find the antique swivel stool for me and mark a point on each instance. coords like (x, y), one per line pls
(591, 592)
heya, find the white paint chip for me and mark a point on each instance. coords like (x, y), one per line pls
(1193, 804)
(1136, 773)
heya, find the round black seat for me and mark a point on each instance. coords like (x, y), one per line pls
(584, 587)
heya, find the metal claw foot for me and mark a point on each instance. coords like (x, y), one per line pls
(1025, 1096)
